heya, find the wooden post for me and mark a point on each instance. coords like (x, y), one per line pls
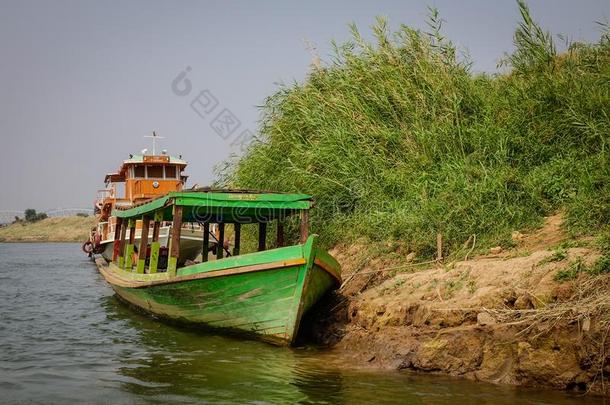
(237, 229)
(155, 245)
(206, 242)
(439, 246)
(116, 252)
(122, 245)
(143, 245)
(280, 233)
(221, 241)
(174, 243)
(304, 226)
(130, 244)
(262, 236)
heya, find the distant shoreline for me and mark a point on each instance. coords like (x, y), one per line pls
(51, 230)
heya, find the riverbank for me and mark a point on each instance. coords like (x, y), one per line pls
(529, 316)
(59, 229)
(77, 338)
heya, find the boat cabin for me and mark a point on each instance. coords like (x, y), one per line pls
(140, 178)
(148, 176)
(210, 208)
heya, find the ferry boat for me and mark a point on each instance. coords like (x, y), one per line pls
(139, 179)
(264, 293)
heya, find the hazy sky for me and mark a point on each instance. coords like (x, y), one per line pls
(83, 81)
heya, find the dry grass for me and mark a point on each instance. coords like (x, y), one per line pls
(591, 300)
(588, 307)
(64, 229)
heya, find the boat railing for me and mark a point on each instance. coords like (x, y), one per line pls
(105, 194)
(103, 229)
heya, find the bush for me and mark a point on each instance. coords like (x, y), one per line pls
(398, 139)
(31, 215)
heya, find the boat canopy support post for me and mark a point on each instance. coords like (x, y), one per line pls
(174, 243)
(262, 236)
(237, 232)
(221, 240)
(280, 233)
(304, 226)
(122, 244)
(143, 248)
(130, 244)
(155, 245)
(116, 251)
(206, 242)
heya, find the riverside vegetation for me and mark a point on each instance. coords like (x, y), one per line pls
(399, 141)
(58, 229)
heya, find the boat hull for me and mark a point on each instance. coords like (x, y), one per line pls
(263, 297)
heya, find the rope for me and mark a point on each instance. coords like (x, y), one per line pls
(217, 242)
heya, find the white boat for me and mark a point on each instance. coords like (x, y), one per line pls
(142, 178)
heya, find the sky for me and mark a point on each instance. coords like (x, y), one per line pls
(82, 82)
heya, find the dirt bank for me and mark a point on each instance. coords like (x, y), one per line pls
(60, 229)
(501, 318)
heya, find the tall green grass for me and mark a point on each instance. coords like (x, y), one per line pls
(398, 139)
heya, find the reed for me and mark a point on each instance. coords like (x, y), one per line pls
(399, 139)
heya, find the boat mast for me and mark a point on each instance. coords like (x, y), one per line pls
(154, 137)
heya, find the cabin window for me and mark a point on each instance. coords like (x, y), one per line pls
(170, 172)
(154, 172)
(138, 172)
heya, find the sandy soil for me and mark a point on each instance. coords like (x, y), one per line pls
(499, 318)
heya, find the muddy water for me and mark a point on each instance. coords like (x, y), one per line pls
(64, 337)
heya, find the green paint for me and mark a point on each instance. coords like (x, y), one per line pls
(129, 256)
(155, 246)
(269, 303)
(128, 263)
(297, 310)
(222, 204)
(154, 257)
(141, 264)
(267, 256)
(265, 301)
(143, 244)
(172, 265)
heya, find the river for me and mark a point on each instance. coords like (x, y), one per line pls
(65, 338)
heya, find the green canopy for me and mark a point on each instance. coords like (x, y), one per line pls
(222, 206)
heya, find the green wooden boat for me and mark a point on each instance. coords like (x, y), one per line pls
(264, 293)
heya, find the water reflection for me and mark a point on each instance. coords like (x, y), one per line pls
(318, 385)
(196, 364)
